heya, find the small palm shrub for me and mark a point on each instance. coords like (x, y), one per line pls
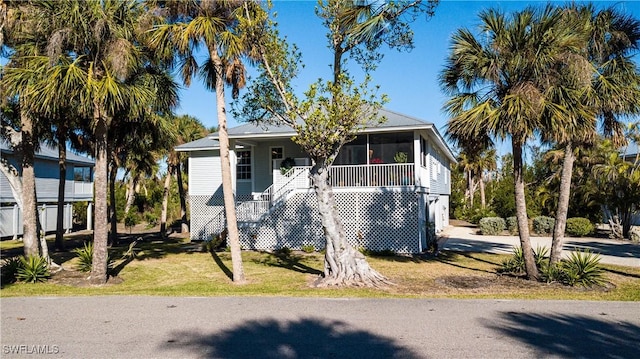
(543, 224)
(579, 227)
(33, 269)
(512, 225)
(85, 258)
(515, 264)
(130, 220)
(10, 269)
(492, 225)
(583, 268)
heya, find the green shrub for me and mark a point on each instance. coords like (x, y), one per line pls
(10, 269)
(579, 227)
(634, 234)
(477, 213)
(492, 225)
(308, 248)
(130, 220)
(512, 225)
(583, 268)
(33, 269)
(543, 224)
(151, 219)
(378, 253)
(283, 252)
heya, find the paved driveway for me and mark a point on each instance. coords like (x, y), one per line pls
(612, 251)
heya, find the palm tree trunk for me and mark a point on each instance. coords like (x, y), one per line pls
(29, 201)
(184, 227)
(100, 232)
(233, 235)
(165, 201)
(343, 265)
(470, 187)
(483, 200)
(563, 204)
(521, 211)
(113, 218)
(62, 164)
(131, 192)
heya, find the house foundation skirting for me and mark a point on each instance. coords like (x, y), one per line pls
(374, 220)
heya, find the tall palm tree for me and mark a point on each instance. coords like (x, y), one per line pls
(100, 39)
(611, 40)
(496, 82)
(190, 24)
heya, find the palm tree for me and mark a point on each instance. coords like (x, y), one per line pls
(612, 37)
(496, 82)
(211, 23)
(99, 40)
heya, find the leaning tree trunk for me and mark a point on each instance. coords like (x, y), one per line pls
(100, 232)
(470, 187)
(521, 211)
(29, 201)
(233, 236)
(165, 201)
(184, 227)
(563, 205)
(344, 265)
(113, 217)
(62, 165)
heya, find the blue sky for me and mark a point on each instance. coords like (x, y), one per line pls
(410, 79)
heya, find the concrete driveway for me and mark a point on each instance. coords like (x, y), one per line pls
(458, 238)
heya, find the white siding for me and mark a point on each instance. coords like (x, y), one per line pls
(205, 175)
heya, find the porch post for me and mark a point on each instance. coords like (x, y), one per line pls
(90, 215)
(16, 220)
(43, 219)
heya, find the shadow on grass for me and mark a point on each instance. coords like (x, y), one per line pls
(570, 335)
(288, 261)
(221, 264)
(453, 259)
(632, 275)
(300, 338)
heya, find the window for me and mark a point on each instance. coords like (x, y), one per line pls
(82, 174)
(277, 153)
(243, 166)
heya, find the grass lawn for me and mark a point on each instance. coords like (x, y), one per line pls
(175, 267)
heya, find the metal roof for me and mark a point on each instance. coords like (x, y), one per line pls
(51, 153)
(394, 122)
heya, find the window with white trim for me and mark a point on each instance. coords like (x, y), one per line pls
(243, 164)
(277, 153)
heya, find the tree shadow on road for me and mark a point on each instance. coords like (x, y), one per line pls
(301, 338)
(571, 336)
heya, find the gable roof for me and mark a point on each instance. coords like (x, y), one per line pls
(48, 152)
(394, 122)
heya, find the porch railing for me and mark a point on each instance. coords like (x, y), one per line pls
(385, 175)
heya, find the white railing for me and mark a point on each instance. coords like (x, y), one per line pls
(384, 175)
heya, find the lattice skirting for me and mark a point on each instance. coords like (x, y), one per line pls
(373, 220)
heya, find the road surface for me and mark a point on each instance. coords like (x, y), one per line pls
(274, 327)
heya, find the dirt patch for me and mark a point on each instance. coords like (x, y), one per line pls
(75, 278)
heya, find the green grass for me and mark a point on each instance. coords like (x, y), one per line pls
(177, 268)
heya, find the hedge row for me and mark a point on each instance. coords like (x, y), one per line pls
(576, 227)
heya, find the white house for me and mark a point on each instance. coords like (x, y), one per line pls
(389, 183)
(78, 187)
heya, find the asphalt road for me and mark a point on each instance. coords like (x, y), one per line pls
(257, 327)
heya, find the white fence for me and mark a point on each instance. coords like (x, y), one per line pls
(11, 221)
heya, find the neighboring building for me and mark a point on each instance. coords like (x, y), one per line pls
(630, 154)
(389, 183)
(78, 187)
